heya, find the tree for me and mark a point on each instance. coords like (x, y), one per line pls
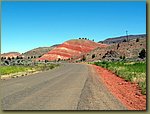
(2, 58)
(123, 57)
(12, 58)
(9, 58)
(93, 56)
(120, 57)
(124, 40)
(137, 40)
(142, 54)
(46, 61)
(118, 46)
(21, 57)
(40, 56)
(83, 58)
(58, 60)
(17, 57)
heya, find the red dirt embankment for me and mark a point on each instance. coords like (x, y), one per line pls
(128, 93)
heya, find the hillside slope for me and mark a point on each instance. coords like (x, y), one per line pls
(10, 54)
(38, 51)
(129, 49)
(70, 49)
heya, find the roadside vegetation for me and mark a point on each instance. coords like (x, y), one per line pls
(134, 72)
(21, 68)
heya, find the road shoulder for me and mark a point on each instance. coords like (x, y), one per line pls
(95, 96)
(126, 92)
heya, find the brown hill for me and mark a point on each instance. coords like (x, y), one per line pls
(37, 52)
(10, 54)
(70, 49)
(129, 49)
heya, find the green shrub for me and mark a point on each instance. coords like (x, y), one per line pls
(137, 40)
(143, 87)
(142, 54)
(93, 56)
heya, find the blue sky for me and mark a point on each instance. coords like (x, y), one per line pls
(28, 25)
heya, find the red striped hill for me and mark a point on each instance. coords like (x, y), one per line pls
(71, 48)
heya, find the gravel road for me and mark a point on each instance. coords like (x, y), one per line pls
(68, 87)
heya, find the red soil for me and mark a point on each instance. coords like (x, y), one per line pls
(70, 49)
(128, 93)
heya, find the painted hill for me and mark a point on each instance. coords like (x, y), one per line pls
(37, 52)
(122, 38)
(10, 54)
(70, 49)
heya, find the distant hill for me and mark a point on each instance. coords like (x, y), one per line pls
(38, 51)
(122, 38)
(71, 48)
(10, 54)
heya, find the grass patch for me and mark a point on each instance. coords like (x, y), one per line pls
(130, 71)
(13, 69)
(4, 70)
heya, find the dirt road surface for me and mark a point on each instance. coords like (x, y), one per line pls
(69, 87)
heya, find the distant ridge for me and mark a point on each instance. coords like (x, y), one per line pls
(122, 38)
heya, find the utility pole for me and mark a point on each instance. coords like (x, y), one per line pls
(127, 35)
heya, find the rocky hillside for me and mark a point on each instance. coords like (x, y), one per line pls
(38, 52)
(121, 50)
(122, 39)
(70, 49)
(10, 54)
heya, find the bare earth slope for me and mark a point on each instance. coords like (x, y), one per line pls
(69, 87)
(70, 49)
(10, 54)
(38, 51)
